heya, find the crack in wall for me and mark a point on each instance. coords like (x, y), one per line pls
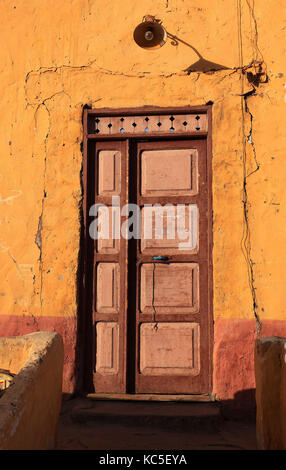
(38, 237)
(51, 69)
(254, 79)
(246, 239)
(255, 40)
(54, 69)
(40, 225)
(139, 74)
(38, 241)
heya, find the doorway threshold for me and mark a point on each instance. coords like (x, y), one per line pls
(150, 397)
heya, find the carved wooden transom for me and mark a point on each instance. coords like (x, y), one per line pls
(148, 124)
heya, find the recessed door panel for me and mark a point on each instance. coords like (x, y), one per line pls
(109, 172)
(169, 288)
(169, 172)
(169, 349)
(107, 241)
(170, 227)
(107, 348)
(108, 288)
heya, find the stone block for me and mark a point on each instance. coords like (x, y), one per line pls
(270, 375)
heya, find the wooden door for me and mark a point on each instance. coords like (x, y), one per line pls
(109, 274)
(172, 275)
(151, 302)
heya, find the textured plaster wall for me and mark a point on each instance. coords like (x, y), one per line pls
(56, 57)
(30, 406)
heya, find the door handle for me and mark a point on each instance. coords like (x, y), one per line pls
(160, 258)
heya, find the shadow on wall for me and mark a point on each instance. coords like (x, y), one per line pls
(201, 65)
(241, 407)
(84, 339)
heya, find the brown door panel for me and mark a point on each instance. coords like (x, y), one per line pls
(109, 306)
(172, 308)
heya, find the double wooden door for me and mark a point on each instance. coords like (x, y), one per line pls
(151, 299)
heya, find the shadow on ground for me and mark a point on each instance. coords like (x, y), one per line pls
(242, 407)
(95, 425)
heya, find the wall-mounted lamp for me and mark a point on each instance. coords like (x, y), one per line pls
(150, 34)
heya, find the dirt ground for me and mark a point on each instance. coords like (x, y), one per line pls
(90, 434)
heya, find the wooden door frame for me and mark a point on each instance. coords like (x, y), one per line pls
(85, 278)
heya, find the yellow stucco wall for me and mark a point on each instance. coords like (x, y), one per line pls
(58, 56)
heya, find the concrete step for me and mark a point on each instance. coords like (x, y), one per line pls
(173, 415)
